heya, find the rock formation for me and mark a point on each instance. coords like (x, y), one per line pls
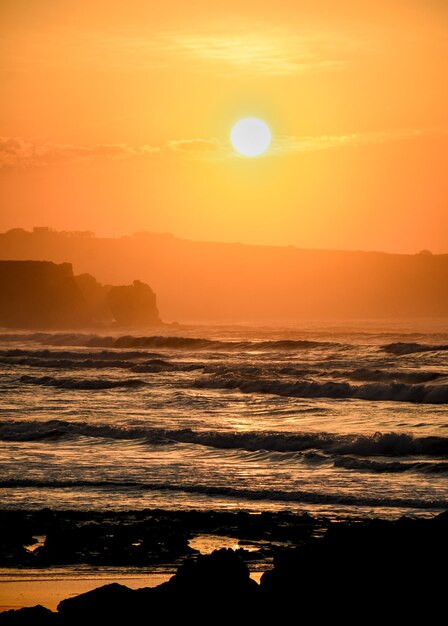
(39, 294)
(133, 305)
(42, 294)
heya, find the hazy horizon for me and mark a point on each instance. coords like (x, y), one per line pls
(203, 280)
(142, 233)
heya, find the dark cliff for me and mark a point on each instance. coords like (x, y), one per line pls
(42, 294)
(37, 294)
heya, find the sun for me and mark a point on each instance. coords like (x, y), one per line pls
(250, 137)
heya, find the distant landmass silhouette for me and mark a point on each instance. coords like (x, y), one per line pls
(42, 294)
(204, 281)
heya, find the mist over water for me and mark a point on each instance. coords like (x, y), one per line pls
(336, 419)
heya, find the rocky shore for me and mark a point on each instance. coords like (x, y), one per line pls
(316, 559)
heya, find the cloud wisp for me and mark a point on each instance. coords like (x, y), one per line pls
(246, 49)
(276, 52)
(19, 153)
(16, 152)
(292, 144)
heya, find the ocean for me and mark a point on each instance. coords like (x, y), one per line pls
(339, 420)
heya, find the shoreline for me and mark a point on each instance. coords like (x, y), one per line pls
(190, 551)
(48, 592)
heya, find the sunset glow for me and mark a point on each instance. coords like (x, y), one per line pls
(116, 119)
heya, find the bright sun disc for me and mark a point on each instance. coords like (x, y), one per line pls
(250, 137)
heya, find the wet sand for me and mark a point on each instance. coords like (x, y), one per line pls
(21, 592)
(15, 594)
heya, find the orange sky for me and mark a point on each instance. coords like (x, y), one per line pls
(115, 118)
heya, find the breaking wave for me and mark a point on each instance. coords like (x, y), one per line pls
(396, 392)
(401, 348)
(388, 376)
(151, 365)
(164, 342)
(233, 492)
(81, 384)
(80, 355)
(392, 467)
(390, 444)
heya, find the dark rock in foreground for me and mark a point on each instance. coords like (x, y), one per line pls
(99, 605)
(385, 563)
(370, 556)
(139, 538)
(221, 573)
(30, 616)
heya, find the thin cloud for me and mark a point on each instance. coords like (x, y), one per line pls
(243, 47)
(292, 144)
(18, 153)
(269, 52)
(194, 145)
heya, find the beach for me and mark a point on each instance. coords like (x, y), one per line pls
(125, 456)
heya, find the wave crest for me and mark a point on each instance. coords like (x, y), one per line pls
(390, 444)
(164, 341)
(401, 348)
(393, 392)
(81, 383)
(277, 495)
